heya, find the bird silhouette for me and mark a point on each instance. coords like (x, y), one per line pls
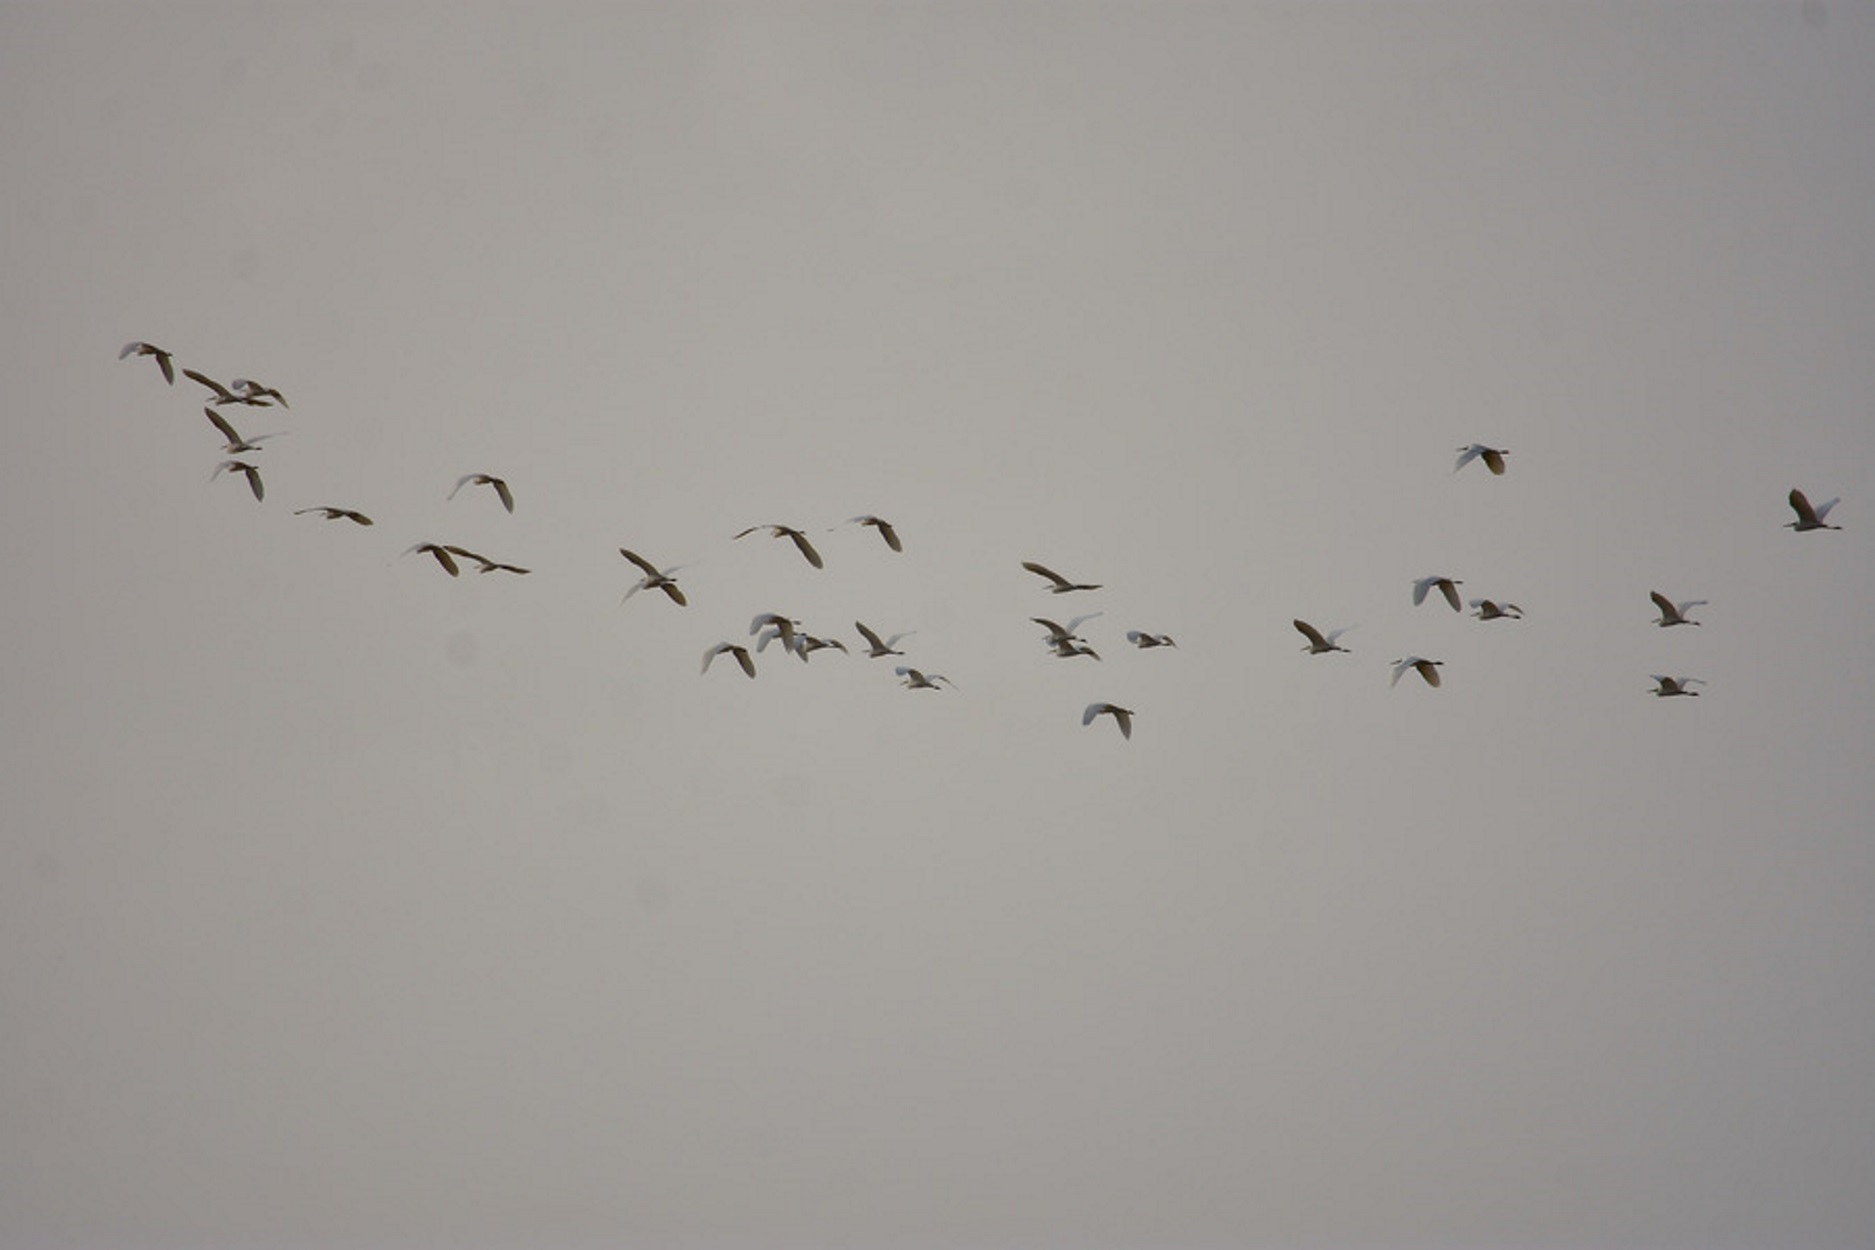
(486, 479)
(1809, 518)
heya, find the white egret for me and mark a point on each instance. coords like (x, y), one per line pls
(877, 647)
(1493, 457)
(250, 391)
(1061, 585)
(241, 466)
(883, 526)
(235, 444)
(1809, 518)
(486, 479)
(222, 394)
(1143, 640)
(654, 578)
(164, 360)
(1429, 669)
(788, 531)
(1670, 686)
(740, 652)
(1320, 643)
(1448, 586)
(1058, 633)
(337, 514)
(1673, 613)
(783, 626)
(440, 552)
(915, 680)
(1123, 717)
(1490, 610)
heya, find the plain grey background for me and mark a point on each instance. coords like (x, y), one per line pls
(344, 903)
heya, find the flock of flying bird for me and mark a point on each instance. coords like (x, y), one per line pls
(1061, 640)
(1671, 613)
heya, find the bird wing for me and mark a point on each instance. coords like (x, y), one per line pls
(745, 533)
(1125, 721)
(676, 595)
(1420, 588)
(210, 383)
(1450, 592)
(221, 423)
(1399, 669)
(1076, 622)
(1801, 504)
(1429, 672)
(640, 561)
(1093, 710)
(253, 480)
(1494, 461)
(1663, 603)
(501, 489)
(461, 482)
(806, 548)
(1690, 604)
(889, 534)
(1822, 509)
(872, 639)
(1043, 571)
(1466, 456)
(129, 348)
(1308, 631)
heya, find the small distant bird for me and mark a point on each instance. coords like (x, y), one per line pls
(164, 360)
(1809, 518)
(1493, 457)
(1489, 610)
(1058, 634)
(1320, 643)
(440, 552)
(878, 648)
(250, 390)
(915, 680)
(1426, 668)
(1674, 613)
(740, 652)
(335, 514)
(1448, 586)
(1068, 648)
(1670, 686)
(235, 443)
(654, 578)
(1061, 585)
(788, 531)
(222, 394)
(1123, 717)
(783, 627)
(1144, 641)
(806, 644)
(486, 479)
(884, 527)
(242, 466)
(496, 566)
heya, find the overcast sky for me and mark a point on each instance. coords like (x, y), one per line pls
(347, 903)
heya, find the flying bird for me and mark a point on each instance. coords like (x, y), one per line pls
(1673, 613)
(241, 466)
(1061, 585)
(1426, 668)
(1320, 643)
(1448, 587)
(1057, 634)
(806, 644)
(1493, 457)
(335, 514)
(235, 443)
(222, 394)
(1145, 641)
(915, 680)
(878, 648)
(164, 360)
(1068, 648)
(1670, 686)
(1809, 518)
(740, 652)
(1123, 717)
(654, 578)
(788, 531)
(250, 391)
(782, 626)
(884, 527)
(486, 479)
(441, 553)
(1490, 610)
(496, 566)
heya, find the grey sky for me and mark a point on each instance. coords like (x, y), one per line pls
(345, 903)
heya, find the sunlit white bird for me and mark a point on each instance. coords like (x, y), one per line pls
(441, 553)
(1670, 686)
(337, 514)
(1123, 717)
(1491, 610)
(1058, 584)
(1448, 586)
(915, 680)
(1058, 633)
(1674, 613)
(883, 526)
(740, 652)
(1320, 643)
(164, 360)
(1809, 518)
(877, 647)
(788, 531)
(486, 479)
(1145, 641)
(1493, 457)
(241, 466)
(654, 578)
(1429, 669)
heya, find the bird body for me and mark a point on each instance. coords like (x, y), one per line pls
(1493, 458)
(788, 531)
(1490, 610)
(915, 680)
(222, 394)
(1320, 643)
(878, 648)
(1809, 518)
(1448, 586)
(251, 391)
(1145, 641)
(1123, 717)
(1068, 648)
(164, 360)
(336, 514)
(1058, 633)
(1670, 686)
(486, 479)
(1674, 613)
(883, 526)
(654, 578)
(1429, 669)
(235, 444)
(1058, 584)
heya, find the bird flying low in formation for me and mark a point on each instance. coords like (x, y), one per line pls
(164, 360)
(877, 647)
(235, 444)
(783, 627)
(486, 479)
(223, 395)
(1320, 643)
(1429, 669)
(915, 680)
(251, 391)
(1493, 457)
(1058, 584)
(740, 652)
(1670, 686)
(1448, 586)
(884, 527)
(1145, 641)
(441, 553)
(1123, 717)
(788, 531)
(654, 578)
(1674, 613)
(241, 466)
(1491, 610)
(337, 514)
(1058, 634)
(1809, 518)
